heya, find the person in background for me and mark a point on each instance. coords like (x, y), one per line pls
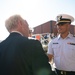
(62, 48)
(20, 55)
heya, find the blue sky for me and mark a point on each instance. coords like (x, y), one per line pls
(36, 12)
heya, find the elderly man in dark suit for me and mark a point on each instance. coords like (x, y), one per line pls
(20, 55)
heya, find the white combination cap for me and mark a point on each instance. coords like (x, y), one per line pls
(64, 18)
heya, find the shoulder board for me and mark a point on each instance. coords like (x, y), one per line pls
(53, 37)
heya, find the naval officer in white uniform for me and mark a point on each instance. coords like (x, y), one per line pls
(62, 48)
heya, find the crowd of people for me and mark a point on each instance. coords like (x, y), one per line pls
(20, 55)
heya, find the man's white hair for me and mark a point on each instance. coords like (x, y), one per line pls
(12, 22)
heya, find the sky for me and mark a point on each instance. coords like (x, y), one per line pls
(36, 12)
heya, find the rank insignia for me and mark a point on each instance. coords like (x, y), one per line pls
(71, 43)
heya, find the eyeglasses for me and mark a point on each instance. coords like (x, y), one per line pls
(61, 23)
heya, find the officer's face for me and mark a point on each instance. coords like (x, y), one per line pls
(63, 27)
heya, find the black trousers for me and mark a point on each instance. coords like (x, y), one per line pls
(59, 72)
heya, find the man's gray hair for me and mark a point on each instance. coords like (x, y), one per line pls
(12, 22)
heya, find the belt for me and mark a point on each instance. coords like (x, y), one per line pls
(61, 72)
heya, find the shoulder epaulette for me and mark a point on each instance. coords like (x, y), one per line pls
(54, 37)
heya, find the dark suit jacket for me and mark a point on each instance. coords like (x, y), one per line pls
(21, 56)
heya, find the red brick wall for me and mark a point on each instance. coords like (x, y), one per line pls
(50, 27)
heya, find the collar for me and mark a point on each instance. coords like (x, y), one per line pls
(17, 32)
(68, 36)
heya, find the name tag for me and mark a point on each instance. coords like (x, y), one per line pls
(55, 43)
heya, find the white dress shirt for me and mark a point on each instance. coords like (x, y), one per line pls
(64, 52)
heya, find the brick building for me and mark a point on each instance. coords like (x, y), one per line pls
(50, 27)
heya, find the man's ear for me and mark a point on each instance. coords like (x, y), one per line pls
(19, 23)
